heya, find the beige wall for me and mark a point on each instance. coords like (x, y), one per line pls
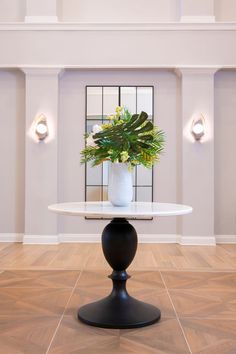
(225, 153)
(118, 11)
(12, 126)
(45, 49)
(225, 10)
(121, 11)
(71, 130)
(12, 10)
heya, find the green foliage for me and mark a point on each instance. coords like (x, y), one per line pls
(127, 138)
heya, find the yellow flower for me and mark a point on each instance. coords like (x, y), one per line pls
(135, 162)
(124, 156)
(120, 121)
(106, 125)
(119, 111)
(111, 117)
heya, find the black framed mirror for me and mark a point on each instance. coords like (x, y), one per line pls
(101, 101)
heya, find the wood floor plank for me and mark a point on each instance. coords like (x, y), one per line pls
(33, 301)
(205, 303)
(26, 334)
(74, 337)
(200, 280)
(38, 284)
(38, 279)
(210, 336)
(90, 256)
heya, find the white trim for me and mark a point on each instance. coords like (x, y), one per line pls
(158, 26)
(40, 239)
(142, 238)
(187, 69)
(197, 240)
(11, 237)
(41, 19)
(39, 71)
(225, 238)
(197, 19)
(80, 238)
(197, 70)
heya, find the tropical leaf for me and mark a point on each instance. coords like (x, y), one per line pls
(133, 134)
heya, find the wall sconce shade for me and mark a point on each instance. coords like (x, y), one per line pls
(41, 128)
(198, 128)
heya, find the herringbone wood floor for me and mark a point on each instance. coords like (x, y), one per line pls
(42, 286)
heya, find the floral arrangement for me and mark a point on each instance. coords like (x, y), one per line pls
(127, 138)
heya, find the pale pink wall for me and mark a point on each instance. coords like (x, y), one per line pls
(225, 153)
(225, 10)
(71, 130)
(119, 11)
(12, 152)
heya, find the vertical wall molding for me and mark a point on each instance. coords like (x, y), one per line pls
(200, 11)
(41, 96)
(43, 11)
(197, 97)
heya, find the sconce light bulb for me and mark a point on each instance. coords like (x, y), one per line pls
(41, 128)
(198, 128)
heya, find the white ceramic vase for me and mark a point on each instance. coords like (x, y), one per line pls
(120, 186)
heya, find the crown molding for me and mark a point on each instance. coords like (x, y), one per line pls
(79, 26)
(52, 69)
(42, 71)
(196, 70)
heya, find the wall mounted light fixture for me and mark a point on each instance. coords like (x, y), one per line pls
(41, 127)
(198, 128)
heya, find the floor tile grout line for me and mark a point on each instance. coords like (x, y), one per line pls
(177, 317)
(59, 323)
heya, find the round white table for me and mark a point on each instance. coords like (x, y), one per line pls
(119, 244)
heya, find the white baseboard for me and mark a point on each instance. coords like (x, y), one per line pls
(142, 238)
(11, 237)
(40, 239)
(80, 238)
(197, 240)
(225, 238)
(96, 238)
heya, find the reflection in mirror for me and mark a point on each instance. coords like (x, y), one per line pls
(110, 100)
(144, 100)
(105, 193)
(93, 194)
(105, 173)
(90, 123)
(128, 98)
(144, 176)
(101, 102)
(94, 102)
(144, 194)
(93, 174)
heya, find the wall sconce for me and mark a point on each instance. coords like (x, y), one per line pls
(41, 127)
(198, 128)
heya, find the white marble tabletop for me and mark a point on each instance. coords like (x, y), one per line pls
(134, 209)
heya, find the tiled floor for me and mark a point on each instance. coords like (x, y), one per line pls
(41, 288)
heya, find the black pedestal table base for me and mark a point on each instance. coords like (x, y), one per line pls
(119, 309)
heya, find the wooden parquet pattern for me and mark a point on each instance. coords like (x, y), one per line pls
(41, 288)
